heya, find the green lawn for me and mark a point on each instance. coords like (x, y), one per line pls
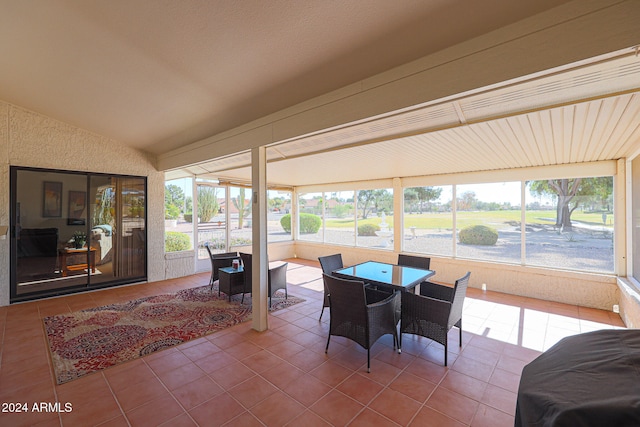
(497, 219)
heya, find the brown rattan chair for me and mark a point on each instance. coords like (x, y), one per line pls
(360, 313)
(414, 261)
(434, 311)
(277, 277)
(329, 264)
(218, 261)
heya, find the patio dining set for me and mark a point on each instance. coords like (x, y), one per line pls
(372, 299)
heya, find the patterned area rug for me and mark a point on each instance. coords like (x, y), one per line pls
(90, 340)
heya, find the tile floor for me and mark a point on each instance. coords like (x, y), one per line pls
(282, 377)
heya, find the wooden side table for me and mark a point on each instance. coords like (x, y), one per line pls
(231, 281)
(66, 252)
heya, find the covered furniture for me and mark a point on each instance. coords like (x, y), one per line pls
(360, 313)
(434, 311)
(329, 264)
(590, 379)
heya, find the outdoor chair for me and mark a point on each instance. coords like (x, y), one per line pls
(434, 311)
(415, 261)
(360, 313)
(277, 277)
(329, 264)
(219, 261)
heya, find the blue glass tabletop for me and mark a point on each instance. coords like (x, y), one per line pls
(387, 274)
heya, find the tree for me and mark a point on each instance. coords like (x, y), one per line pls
(378, 200)
(208, 205)
(410, 198)
(467, 201)
(173, 195)
(243, 209)
(427, 194)
(571, 193)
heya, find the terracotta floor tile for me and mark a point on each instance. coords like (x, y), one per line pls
(277, 409)
(360, 388)
(505, 379)
(201, 350)
(337, 408)
(331, 373)
(154, 412)
(232, 375)
(243, 350)
(473, 368)
(464, 384)
(428, 417)
(179, 376)
(216, 411)
(246, 419)
(262, 360)
(308, 419)
(196, 392)
(427, 370)
(487, 416)
(307, 360)
(412, 386)
(139, 393)
(282, 374)
(395, 406)
(252, 391)
(453, 405)
(182, 420)
(500, 399)
(216, 361)
(369, 418)
(307, 389)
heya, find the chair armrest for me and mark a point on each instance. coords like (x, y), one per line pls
(437, 291)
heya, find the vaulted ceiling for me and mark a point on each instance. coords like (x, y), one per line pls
(160, 75)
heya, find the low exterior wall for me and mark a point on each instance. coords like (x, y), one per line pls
(582, 289)
(629, 302)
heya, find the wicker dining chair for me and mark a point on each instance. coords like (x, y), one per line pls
(434, 311)
(329, 264)
(360, 313)
(414, 261)
(277, 277)
(219, 261)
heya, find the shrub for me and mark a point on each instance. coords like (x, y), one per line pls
(368, 229)
(188, 217)
(285, 222)
(175, 241)
(309, 223)
(478, 235)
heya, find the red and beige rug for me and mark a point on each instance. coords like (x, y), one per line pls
(90, 340)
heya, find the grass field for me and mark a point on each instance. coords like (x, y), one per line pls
(497, 219)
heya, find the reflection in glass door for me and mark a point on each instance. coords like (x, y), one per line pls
(74, 230)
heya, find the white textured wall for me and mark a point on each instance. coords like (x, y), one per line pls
(33, 140)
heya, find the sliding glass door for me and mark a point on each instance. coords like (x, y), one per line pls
(73, 231)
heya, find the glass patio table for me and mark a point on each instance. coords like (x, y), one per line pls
(396, 277)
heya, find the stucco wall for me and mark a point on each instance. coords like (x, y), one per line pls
(33, 140)
(583, 289)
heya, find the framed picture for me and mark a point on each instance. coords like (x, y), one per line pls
(77, 207)
(52, 199)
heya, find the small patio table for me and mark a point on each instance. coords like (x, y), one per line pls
(396, 277)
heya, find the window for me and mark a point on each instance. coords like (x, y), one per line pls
(310, 211)
(428, 220)
(488, 219)
(278, 216)
(240, 219)
(339, 218)
(570, 223)
(375, 218)
(178, 215)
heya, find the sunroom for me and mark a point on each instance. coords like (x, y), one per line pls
(515, 157)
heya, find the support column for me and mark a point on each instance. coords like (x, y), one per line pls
(260, 265)
(398, 213)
